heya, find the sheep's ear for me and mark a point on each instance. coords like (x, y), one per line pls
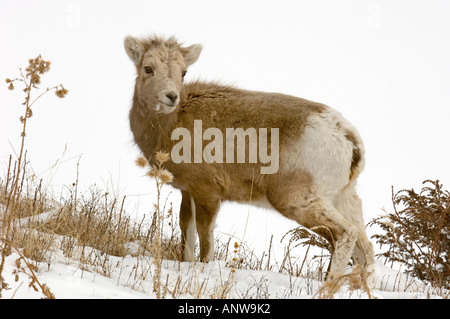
(191, 53)
(134, 49)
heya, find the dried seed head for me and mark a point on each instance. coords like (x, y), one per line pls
(162, 157)
(141, 161)
(61, 92)
(165, 176)
(35, 79)
(47, 67)
(44, 66)
(153, 172)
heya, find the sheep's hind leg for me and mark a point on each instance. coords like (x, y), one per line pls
(316, 212)
(349, 203)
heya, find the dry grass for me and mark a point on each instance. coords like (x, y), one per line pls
(93, 229)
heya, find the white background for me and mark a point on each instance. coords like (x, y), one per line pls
(383, 64)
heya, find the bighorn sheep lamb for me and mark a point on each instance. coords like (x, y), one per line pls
(316, 155)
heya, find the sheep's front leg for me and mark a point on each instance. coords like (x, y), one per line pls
(187, 226)
(206, 213)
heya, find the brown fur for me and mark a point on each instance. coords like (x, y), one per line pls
(357, 156)
(221, 107)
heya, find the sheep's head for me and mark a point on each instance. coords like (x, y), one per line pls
(161, 66)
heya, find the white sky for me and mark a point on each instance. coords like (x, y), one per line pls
(383, 64)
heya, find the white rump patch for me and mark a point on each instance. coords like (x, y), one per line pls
(323, 151)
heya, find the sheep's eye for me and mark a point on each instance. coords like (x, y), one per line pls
(148, 70)
(184, 73)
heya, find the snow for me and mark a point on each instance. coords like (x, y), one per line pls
(133, 278)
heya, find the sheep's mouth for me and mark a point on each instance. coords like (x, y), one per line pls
(167, 104)
(165, 108)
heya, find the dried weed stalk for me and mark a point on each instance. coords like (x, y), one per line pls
(162, 177)
(29, 79)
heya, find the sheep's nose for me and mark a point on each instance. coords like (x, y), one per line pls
(172, 96)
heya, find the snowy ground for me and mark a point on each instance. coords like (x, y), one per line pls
(103, 276)
(133, 277)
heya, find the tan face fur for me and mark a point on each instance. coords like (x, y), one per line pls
(161, 66)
